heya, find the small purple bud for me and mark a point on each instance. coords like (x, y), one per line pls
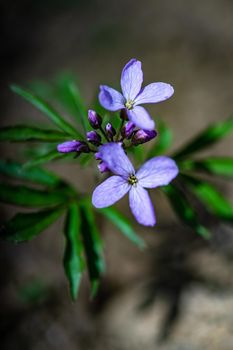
(95, 119)
(142, 136)
(93, 137)
(127, 130)
(73, 146)
(103, 167)
(110, 131)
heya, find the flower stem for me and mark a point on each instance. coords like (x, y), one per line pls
(104, 133)
(119, 130)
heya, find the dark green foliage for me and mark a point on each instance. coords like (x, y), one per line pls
(93, 245)
(47, 110)
(22, 133)
(206, 138)
(25, 226)
(123, 224)
(73, 256)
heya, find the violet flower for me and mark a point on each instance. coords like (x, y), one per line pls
(73, 146)
(134, 95)
(158, 171)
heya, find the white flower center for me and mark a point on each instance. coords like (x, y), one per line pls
(129, 104)
(132, 180)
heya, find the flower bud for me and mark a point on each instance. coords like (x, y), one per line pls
(110, 131)
(93, 137)
(127, 130)
(142, 136)
(95, 119)
(103, 167)
(73, 146)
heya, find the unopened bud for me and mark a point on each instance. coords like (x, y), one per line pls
(127, 130)
(142, 136)
(103, 167)
(73, 146)
(110, 131)
(94, 138)
(95, 119)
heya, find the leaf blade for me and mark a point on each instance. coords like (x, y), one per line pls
(25, 226)
(121, 222)
(47, 110)
(22, 133)
(73, 260)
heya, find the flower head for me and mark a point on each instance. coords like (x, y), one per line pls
(73, 146)
(133, 95)
(158, 171)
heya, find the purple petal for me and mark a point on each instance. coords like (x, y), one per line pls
(111, 99)
(153, 93)
(139, 116)
(113, 155)
(158, 171)
(141, 206)
(131, 79)
(109, 192)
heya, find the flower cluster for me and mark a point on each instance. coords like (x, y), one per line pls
(110, 145)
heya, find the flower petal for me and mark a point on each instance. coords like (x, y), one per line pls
(111, 99)
(158, 171)
(109, 192)
(154, 93)
(131, 79)
(141, 206)
(139, 116)
(113, 155)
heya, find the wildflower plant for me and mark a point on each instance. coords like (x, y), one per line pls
(109, 138)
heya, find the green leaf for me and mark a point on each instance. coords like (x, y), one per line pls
(69, 94)
(73, 258)
(37, 175)
(47, 110)
(25, 226)
(222, 166)
(184, 210)
(22, 133)
(162, 142)
(216, 203)
(92, 244)
(206, 138)
(123, 224)
(30, 197)
(47, 157)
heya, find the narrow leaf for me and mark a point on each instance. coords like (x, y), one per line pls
(93, 245)
(37, 175)
(30, 197)
(69, 94)
(22, 133)
(25, 226)
(47, 110)
(216, 203)
(45, 158)
(184, 210)
(123, 224)
(222, 166)
(73, 258)
(162, 141)
(206, 138)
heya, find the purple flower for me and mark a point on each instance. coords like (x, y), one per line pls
(134, 95)
(95, 119)
(110, 131)
(142, 136)
(73, 146)
(93, 137)
(127, 130)
(158, 171)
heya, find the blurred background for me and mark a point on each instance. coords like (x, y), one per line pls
(177, 294)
